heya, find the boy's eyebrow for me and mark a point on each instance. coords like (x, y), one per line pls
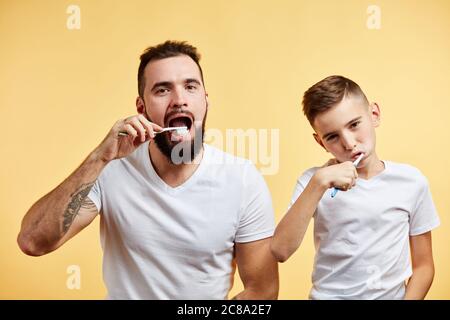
(325, 136)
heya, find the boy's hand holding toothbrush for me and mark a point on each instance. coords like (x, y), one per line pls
(340, 176)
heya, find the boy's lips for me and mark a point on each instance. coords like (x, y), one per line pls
(355, 155)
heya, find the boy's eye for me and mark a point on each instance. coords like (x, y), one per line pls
(355, 124)
(332, 137)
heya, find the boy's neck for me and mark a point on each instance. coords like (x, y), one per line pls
(373, 166)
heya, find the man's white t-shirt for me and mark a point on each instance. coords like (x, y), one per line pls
(161, 242)
(361, 236)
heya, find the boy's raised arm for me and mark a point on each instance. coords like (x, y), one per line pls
(292, 228)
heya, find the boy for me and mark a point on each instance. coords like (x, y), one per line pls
(383, 211)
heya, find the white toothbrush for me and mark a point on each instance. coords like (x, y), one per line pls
(179, 130)
(355, 163)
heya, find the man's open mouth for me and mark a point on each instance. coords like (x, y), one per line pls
(180, 121)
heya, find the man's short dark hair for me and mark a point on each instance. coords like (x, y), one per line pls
(165, 50)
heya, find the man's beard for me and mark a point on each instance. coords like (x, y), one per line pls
(184, 151)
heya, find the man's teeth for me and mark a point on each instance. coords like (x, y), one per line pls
(180, 132)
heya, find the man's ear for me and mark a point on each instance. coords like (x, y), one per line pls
(317, 138)
(207, 101)
(140, 105)
(375, 114)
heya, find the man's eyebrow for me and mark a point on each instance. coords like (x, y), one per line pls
(190, 80)
(161, 84)
(325, 136)
(170, 84)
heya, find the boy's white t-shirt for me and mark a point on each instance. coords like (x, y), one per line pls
(361, 236)
(161, 242)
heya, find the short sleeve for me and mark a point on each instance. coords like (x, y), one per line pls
(301, 184)
(256, 219)
(95, 195)
(424, 216)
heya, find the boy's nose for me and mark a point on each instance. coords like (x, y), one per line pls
(348, 142)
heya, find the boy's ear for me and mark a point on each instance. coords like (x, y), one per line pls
(140, 105)
(375, 114)
(317, 138)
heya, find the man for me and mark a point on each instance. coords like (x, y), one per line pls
(177, 215)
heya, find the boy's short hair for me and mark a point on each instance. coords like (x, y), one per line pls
(326, 93)
(165, 50)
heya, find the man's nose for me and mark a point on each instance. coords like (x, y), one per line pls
(348, 142)
(178, 99)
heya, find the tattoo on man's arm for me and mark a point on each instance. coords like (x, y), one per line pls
(75, 204)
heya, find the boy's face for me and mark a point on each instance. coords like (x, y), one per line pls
(348, 129)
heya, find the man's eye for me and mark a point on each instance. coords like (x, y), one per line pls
(162, 90)
(333, 137)
(191, 87)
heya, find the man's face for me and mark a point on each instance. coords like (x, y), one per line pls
(174, 96)
(348, 129)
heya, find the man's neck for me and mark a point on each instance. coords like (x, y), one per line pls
(172, 174)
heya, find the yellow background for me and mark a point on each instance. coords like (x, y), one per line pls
(61, 90)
